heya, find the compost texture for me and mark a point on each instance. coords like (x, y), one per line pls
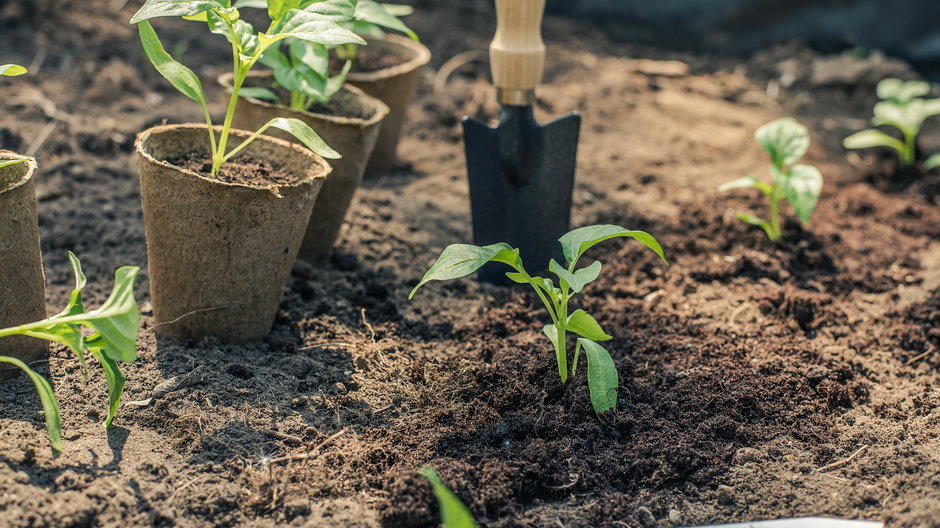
(745, 367)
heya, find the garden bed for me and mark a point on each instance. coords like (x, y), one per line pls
(745, 368)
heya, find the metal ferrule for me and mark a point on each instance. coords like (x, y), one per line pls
(515, 96)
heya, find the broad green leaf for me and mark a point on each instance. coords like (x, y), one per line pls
(12, 70)
(49, 404)
(932, 162)
(259, 92)
(602, 376)
(551, 332)
(802, 187)
(75, 306)
(114, 377)
(279, 8)
(314, 56)
(398, 10)
(579, 279)
(872, 138)
(375, 13)
(747, 182)
(10, 163)
(313, 27)
(251, 4)
(583, 324)
(576, 242)
(300, 78)
(901, 92)
(909, 117)
(454, 513)
(335, 10)
(245, 38)
(175, 8)
(305, 134)
(181, 77)
(518, 278)
(460, 260)
(335, 84)
(785, 140)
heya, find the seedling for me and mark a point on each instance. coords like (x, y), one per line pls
(786, 142)
(304, 69)
(11, 70)
(460, 260)
(110, 334)
(454, 513)
(903, 108)
(316, 24)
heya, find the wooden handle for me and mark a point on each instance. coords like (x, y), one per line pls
(517, 53)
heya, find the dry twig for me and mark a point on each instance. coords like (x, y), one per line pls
(844, 461)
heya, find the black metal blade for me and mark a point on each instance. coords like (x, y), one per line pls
(521, 178)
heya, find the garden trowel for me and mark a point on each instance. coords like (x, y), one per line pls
(521, 173)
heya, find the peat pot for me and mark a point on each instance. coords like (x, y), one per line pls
(352, 137)
(22, 285)
(394, 86)
(219, 254)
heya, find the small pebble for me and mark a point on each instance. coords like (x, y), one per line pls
(725, 495)
(646, 517)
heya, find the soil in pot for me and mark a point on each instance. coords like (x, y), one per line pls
(350, 124)
(22, 286)
(389, 72)
(220, 252)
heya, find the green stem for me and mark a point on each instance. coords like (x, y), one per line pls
(774, 231)
(909, 154)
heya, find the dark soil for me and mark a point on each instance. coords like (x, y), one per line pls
(367, 60)
(747, 369)
(242, 169)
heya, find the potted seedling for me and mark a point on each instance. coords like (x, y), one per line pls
(300, 86)
(460, 260)
(386, 69)
(786, 142)
(903, 108)
(108, 333)
(225, 210)
(22, 285)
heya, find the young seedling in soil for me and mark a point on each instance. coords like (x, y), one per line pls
(304, 68)
(786, 142)
(903, 108)
(454, 513)
(11, 70)
(316, 24)
(110, 335)
(460, 260)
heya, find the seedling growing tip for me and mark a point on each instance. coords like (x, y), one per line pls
(317, 23)
(460, 260)
(786, 142)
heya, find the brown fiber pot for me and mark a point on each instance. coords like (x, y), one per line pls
(353, 138)
(219, 254)
(394, 86)
(22, 284)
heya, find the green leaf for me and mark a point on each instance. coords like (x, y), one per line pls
(551, 332)
(932, 162)
(12, 70)
(305, 134)
(335, 10)
(314, 27)
(74, 307)
(577, 280)
(258, 92)
(583, 324)
(374, 13)
(454, 514)
(175, 8)
(117, 320)
(872, 138)
(10, 163)
(335, 84)
(518, 278)
(751, 219)
(113, 375)
(747, 182)
(245, 40)
(460, 260)
(181, 77)
(279, 8)
(251, 4)
(802, 187)
(575, 243)
(901, 92)
(49, 404)
(785, 140)
(602, 376)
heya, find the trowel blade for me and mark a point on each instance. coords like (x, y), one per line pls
(521, 178)
(805, 522)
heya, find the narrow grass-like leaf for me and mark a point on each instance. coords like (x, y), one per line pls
(114, 377)
(454, 513)
(10, 163)
(47, 397)
(602, 376)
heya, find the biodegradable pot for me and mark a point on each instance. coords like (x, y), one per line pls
(354, 138)
(219, 254)
(394, 86)
(22, 285)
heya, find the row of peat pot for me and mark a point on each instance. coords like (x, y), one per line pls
(219, 254)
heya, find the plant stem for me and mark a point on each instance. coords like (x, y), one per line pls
(774, 231)
(909, 154)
